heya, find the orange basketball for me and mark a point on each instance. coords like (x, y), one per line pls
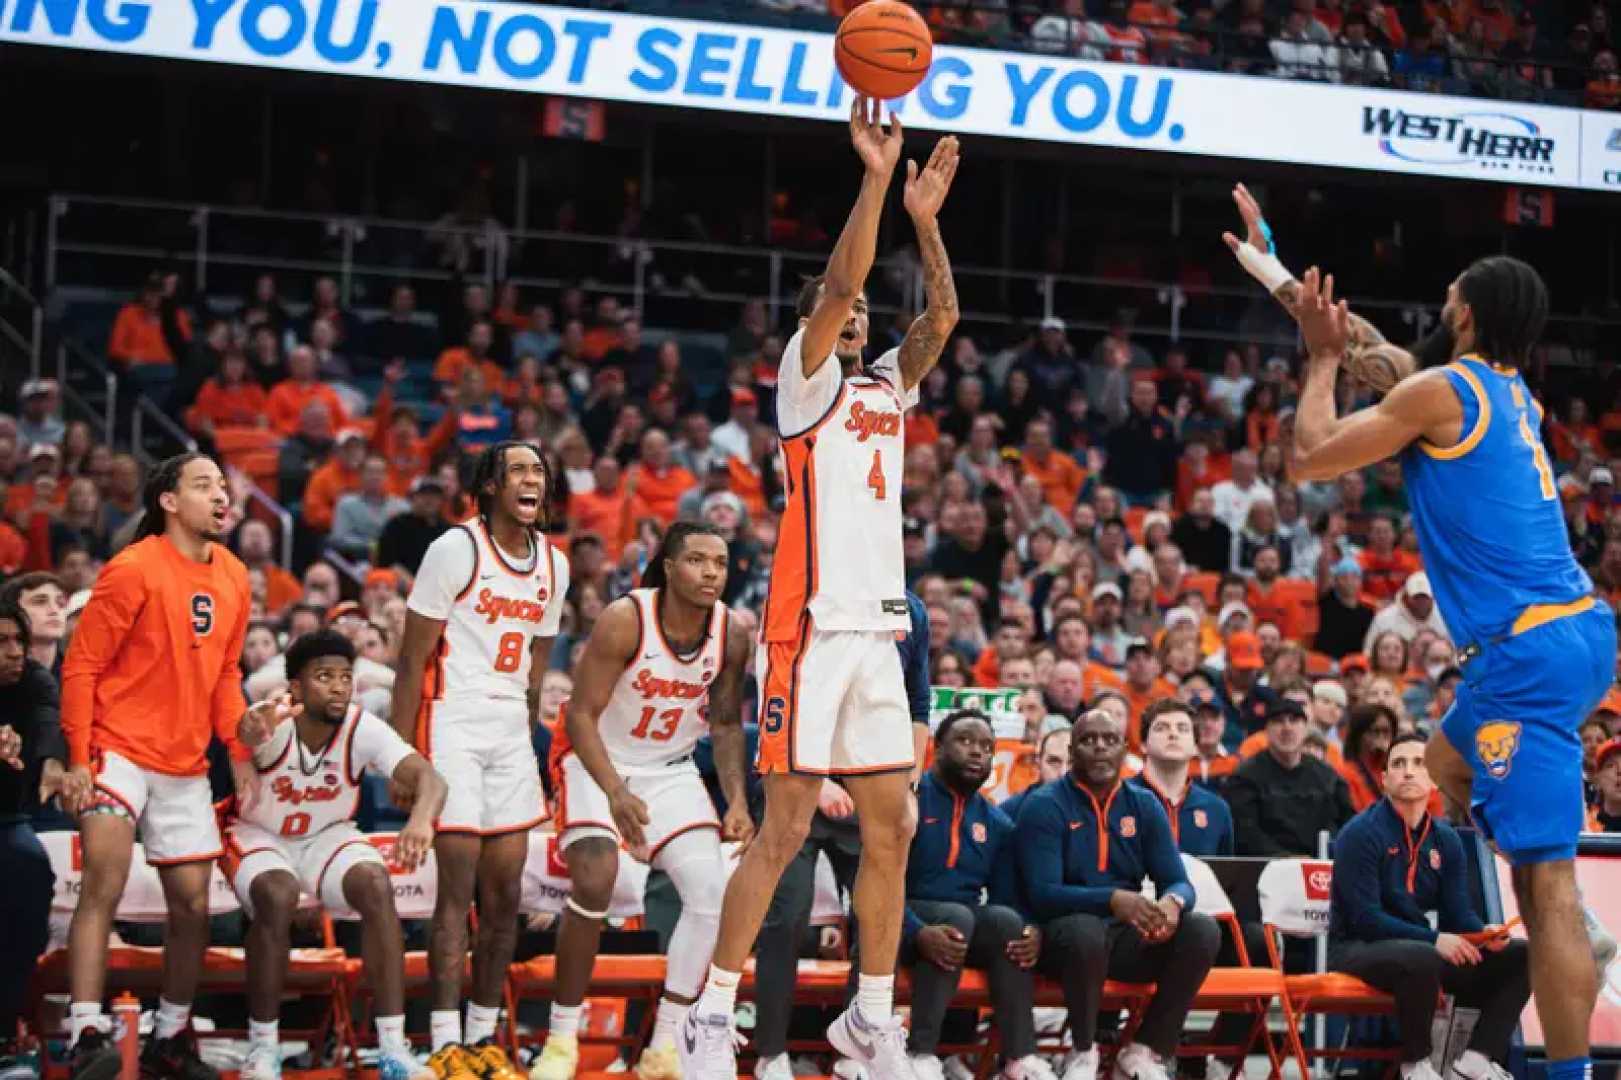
(883, 49)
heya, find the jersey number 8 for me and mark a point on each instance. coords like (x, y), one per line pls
(509, 654)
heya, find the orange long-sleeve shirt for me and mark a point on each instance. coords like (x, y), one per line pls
(602, 513)
(288, 398)
(153, 669)
(656, 493)
(408, 458)
(228, 406)
(137, 336)
(447, 370)
(1061, 478)
(326, 485)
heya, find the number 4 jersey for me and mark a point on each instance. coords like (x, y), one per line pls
(839, 554)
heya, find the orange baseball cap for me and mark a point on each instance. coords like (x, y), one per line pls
(1244, 650)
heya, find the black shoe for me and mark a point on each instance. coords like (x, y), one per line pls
(94, 1057)
(175, 1058)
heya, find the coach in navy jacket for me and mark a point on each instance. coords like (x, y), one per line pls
(1393, 865)
(1085, 843)
(963, 849)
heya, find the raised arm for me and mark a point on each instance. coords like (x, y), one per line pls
(612, 645)
(851, 260)
(925, 192)
(726, 732)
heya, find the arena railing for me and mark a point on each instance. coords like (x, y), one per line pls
(99, 241)
(72, 358)
(15, 296)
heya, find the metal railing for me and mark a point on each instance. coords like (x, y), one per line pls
(144, 408)
(13, 291)
(283, 516)
(105, 422)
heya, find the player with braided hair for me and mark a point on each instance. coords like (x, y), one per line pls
(479, 625)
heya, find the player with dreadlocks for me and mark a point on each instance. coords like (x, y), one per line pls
(151, 675)
(479, 625)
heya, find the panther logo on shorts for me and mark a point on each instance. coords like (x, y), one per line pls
(1496, 743)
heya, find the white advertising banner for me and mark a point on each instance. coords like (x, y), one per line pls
(750, 69)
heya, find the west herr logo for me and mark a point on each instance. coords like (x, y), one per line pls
(1489, 141)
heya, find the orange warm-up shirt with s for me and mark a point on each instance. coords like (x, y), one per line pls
(154, 667)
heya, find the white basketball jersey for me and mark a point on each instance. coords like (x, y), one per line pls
(839, 554)
(303, 791)
(659, 708)
(493, 609)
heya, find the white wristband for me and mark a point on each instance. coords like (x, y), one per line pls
(1263, 267)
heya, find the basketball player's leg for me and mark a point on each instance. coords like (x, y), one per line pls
(691, 856)
(107, 842)
(185, 938)
(593, 864)
(500, 884)
(272, 900)
(790, 803)
(1564, 979)
(456, 856)
(887, 819)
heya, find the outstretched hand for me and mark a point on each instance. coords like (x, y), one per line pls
(878, 149)
(1324, 322)
(1256, 233)
(926, 191)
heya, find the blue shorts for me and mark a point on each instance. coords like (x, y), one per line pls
(1515, 721)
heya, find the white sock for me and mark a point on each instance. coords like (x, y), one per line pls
(1472, 1063)
(263, 1032)
(670, 1015)
(171, 1019)
(391, 1035)
(875, 995)
(1407, 1067)
(720, 991)
(444, 1027)
(481, 1021)
(565, 1020)
(85, 1016)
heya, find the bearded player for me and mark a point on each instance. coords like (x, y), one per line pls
(663, 664)
(1537, 648)
(478, 630)
(151, 676)
(297, 836)
(832, 696)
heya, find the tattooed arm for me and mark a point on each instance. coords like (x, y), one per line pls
(924, 194)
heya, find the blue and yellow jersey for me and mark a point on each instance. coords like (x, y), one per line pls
(1487, 510)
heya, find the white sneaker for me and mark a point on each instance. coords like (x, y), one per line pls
(1082, 1064)
(262, 1063)
(707, 1046)
(1029, 1067)
(775, 1067)
(1419, 1070)
(847, 1069)
(1138, 1062)
(1473, 1065)
(398, 1066)
(881, 1047)
(957, 1069)
(928, 1067)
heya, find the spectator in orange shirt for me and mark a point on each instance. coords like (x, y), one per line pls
(339, 476)
(606, 333)
(1072, 640)
(1159, 17)
(604, 510)
(395, 435)
(655, 483)
(1061, 476)
(1010, 643)
(1604, 88)
(1288, 602)
(255, 547)
(137, 337)
(229, 399)
(43, 491)
(1385, 567)
(447, 370)
(1142, 687)
(288, 397)
(1575, 434)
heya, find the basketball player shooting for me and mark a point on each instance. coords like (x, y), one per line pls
(479, 625)
(1536, 646)
(661, 666)
(832, 697)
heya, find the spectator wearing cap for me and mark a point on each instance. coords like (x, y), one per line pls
(1232, 498)
(1205, 539)
(1343, 616)
(1052, 762)
(1049, 361)
(1395, 865)
(1282, 798)
(339, 476)
(137, 337)
(1085, 844)
(1201, 823)
(256, 547)
(380, 586)
(40, 421)
(359, 516)
(397, 437)
(1211, 763)
(405, 538)
(1385, 567)
(1142, 687)
(43, 494)
(1142, 448)
(1061, 477)
(1413, 610)
(655, 482)
(1605, 813)
(289, 397)
(963, 850)
(732, 437)
(1110, 638)
(1239, 673)
(1600, 494)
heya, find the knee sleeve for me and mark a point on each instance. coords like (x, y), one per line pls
(693, 862)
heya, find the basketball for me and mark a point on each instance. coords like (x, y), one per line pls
(883, 49)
